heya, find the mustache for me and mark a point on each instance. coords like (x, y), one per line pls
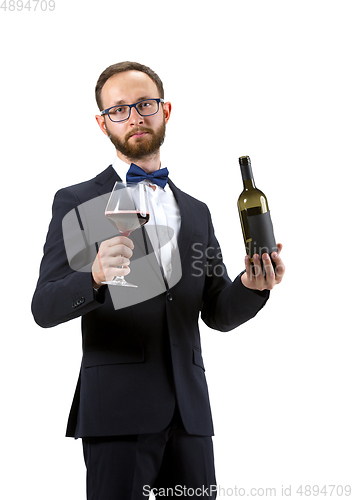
(137, 130)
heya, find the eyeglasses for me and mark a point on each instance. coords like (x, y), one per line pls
(122, 112)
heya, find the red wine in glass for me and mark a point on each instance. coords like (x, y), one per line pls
(127, 221)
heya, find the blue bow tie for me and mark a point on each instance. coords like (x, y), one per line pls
(136, 174)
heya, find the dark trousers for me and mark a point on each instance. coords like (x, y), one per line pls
(130, 467)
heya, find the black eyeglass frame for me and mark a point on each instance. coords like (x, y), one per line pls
(106, 111)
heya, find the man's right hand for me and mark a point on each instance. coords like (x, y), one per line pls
(112, 254)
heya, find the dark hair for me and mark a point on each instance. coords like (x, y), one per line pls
(120, 68)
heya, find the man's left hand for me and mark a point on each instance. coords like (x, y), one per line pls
(254, 278)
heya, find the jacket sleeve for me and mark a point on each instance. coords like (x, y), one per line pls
(62, 293)
(226, 304)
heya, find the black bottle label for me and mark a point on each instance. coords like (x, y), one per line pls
(261, 233)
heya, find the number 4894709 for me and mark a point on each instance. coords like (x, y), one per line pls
(33, 5)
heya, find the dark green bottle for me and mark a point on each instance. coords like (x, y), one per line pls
(254, 215)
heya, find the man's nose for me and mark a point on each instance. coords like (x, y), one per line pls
(135, 117)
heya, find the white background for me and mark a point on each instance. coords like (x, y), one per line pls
(268, 79)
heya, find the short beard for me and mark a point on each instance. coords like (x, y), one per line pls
(142, 148)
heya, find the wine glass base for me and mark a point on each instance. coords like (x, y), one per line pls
(120, 283)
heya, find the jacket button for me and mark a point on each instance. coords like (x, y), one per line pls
(169, 296)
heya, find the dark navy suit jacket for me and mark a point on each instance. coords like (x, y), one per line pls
(140, 360)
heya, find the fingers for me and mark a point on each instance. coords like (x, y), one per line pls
(116, 247)
(280, 267)
(273, 271)
(264, 274)
(120, 240)
(248, 267)
(270, 276)
(253, 277)
(112, 259)
(120, 245)
(279, 248)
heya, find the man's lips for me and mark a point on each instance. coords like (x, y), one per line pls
(138, 134)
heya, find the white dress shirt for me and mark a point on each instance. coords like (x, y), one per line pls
(164, 222)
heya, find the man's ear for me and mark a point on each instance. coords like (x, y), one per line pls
(101, 122)
(167, 109)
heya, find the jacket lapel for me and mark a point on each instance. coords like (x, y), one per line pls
(105, 180)
(187, 215)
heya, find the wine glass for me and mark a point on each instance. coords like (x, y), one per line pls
(127, 209)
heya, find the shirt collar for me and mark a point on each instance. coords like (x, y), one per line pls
(120, 166)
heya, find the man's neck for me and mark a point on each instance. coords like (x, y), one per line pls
(148, 163)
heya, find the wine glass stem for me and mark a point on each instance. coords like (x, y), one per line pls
(121, 279)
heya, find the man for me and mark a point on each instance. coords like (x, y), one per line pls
(141, 405)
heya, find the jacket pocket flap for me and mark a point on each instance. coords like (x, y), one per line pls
(198, 359)
(117, 356)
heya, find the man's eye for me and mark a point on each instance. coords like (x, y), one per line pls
(144, 105)
(119, 110)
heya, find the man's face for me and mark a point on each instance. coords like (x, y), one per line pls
(139, 136)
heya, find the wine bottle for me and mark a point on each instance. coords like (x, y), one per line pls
(254, 215)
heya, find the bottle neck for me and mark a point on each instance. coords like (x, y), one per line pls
(247, 175)
(249, 184)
